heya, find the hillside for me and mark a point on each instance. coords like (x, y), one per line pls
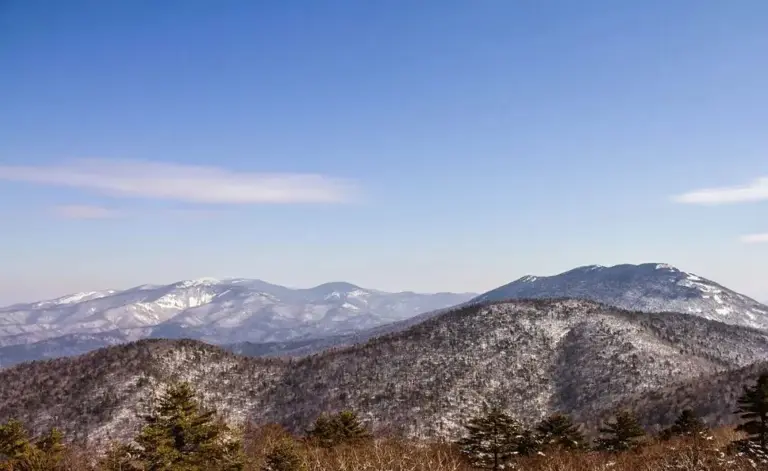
(649, 287)
(536, 356)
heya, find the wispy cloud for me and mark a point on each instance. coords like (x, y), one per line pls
(756, 190)
(755, 238)
(84, 212)
(193, 184)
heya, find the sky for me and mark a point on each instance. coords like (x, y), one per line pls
(428, 146)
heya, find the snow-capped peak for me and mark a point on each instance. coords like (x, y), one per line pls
(218, 311)
(205, 281)
(74, 298)
(651, 287)
(665, 266)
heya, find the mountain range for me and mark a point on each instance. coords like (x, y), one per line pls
(216, 311)
(649, 287)
(252, 317)
(532, 356)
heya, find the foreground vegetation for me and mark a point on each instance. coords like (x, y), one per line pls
(179, 435)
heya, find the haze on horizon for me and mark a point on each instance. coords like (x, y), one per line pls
(432, 147)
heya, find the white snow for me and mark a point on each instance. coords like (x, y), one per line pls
(198, 282)
(220, 311)
(74, 298)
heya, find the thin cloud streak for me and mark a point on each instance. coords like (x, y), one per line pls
(756, 190)
(192, 184)
(755, 238)
(84, 212)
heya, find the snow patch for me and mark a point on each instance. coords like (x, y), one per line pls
(198, 282)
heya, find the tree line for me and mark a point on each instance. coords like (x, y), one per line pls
(179, 434)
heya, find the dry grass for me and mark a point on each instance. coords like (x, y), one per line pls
(402, 455)
(399, 455)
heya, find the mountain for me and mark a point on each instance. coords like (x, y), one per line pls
(534, 356)
(226, 311)
(314, 345)
(76, 344)
(650, 287)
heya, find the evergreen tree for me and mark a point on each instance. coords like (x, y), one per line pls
(753, 408)
(349, 428)
(284, 457)
(687, 424)
(322, 432)
(344, 427)
(491, 440)
(48, 451)
(528, 443)
(14, 441)
(180, 435)
(621, 434)
(120, 457)
(559, 431)
(19, 452)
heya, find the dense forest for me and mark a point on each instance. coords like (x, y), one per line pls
(180, 433)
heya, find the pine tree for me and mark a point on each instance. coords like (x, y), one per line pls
(622, 434)
(284, 457)
(120, 457)
(51, 443)
(559, 431)
(180, 435)
(344, 427)
(687, 424)
(48, 451)
(21, 454)
(349, 428)
(14, 441)
(322, 432)
(491, 440)
(528, 443)
(753, 408)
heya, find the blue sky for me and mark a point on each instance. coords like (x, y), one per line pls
(433, 145)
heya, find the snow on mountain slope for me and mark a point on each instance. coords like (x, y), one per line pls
(218, 311)
(651, 287)
(536, 357)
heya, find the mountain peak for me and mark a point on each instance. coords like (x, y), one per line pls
(665, 266)
(204, 281)
(585, 268)
(650, 287)
(340, 286)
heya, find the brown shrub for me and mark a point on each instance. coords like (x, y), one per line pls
(392, 454)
